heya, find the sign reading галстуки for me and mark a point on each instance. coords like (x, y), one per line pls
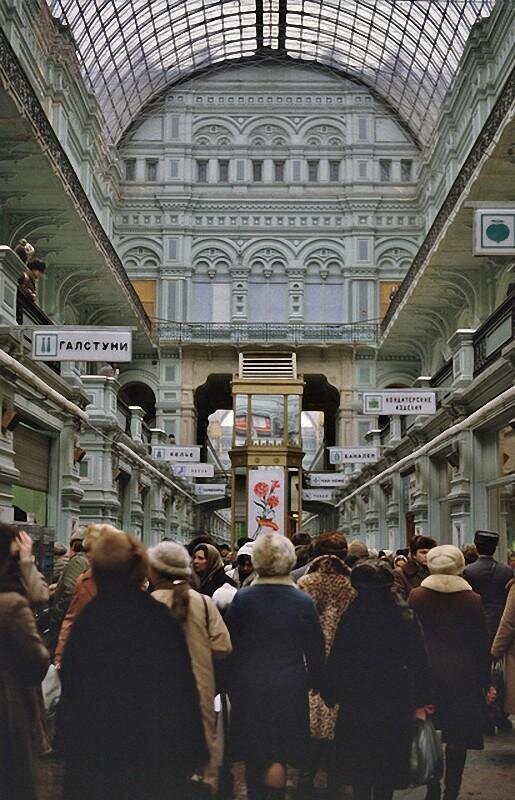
(399, 402)
(82, 343)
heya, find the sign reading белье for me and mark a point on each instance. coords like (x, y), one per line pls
(166, 452)
(82, 343)
(399, 402)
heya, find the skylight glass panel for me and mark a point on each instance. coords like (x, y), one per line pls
(408, 51)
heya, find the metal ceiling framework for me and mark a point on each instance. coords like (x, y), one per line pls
(406, 51)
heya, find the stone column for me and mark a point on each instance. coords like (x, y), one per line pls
(239, 295)
(71, 491)
(11, 268)
(419, 506)
(157, 513)
(462, 348)
(137, 415)
(137, 512)
(8, 472)
(460, 488)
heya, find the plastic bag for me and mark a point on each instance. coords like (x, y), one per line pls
(426, 761)
(51, 688)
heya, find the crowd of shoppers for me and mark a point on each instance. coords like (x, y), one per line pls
(321, 666)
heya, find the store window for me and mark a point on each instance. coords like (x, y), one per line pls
(223, 171)
(313, 171)
(151, 169)
(257, 171)
(334, 171)
(202, 171)
(279, 171)
(406, 170)
(32, 449)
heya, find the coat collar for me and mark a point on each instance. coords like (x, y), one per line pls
(446, 584)
(277, 580)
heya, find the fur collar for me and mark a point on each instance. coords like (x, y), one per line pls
(277, 580)
(447, 584)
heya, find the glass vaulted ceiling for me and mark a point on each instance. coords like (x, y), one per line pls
(407, 51)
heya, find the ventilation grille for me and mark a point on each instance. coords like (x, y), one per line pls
(256, 366)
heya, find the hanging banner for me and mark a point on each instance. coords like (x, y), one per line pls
(494, 231)
(266, 509)
(210, 489)
(82, 343)
(327, 479)
(193, 470)
(319, 495)
(399, 402)
(353, 455)
(167, 452)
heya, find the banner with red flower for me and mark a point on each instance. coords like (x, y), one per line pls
(266, 503)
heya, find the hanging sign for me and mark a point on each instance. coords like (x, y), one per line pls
(167, 452)
(193, 470)
(328, 479)
(266, 501)
(494, 231)
(399, 402)
(210, 489)
(320, 495)
(82, 343)
(353, 455)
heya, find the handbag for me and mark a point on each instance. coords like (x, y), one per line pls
(51, 689)
(426, 759)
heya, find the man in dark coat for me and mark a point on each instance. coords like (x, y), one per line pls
(411, 574)
(489, 579)
(130, 720)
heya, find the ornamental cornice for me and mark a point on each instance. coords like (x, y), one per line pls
(497, 115)
(20, 88)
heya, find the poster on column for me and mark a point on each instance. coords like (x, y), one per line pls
(266, 502)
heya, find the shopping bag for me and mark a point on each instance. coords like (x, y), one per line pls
(426, 761)
(51, 688)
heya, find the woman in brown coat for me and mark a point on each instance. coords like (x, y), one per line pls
(456, 638)
(327, 581)
(23, 664)
(504, 647)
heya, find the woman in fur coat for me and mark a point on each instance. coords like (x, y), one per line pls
(378, 674)
(130, 717)
(454, 626)
(278, 655)
(327, 581)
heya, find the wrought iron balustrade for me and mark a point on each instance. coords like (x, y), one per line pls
(494, 334)
(265, 332)
(29, 314)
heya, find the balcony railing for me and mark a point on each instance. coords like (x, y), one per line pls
(265, 332)
(494, 334)
(29, 314)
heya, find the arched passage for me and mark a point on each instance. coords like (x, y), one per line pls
(139, 394)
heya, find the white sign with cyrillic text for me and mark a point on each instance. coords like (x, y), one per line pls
(328, 479)
(210, 489)
(320, 495)
(167, 452)
(397, 402)
(353, 455)
(83, 343)
(193, 470)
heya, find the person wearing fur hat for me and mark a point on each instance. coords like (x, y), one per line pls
(356, 551)
(206, 634)
(327, 581)
(379, 644)
(130, 718)
(278, 654)
(454, 626)
(411, 574)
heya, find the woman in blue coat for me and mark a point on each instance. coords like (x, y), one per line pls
(278, 655)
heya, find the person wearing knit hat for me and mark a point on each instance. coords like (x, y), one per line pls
(411, 574)
(278, 656)
(356, 550)
(456, 636)
(206, 634)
